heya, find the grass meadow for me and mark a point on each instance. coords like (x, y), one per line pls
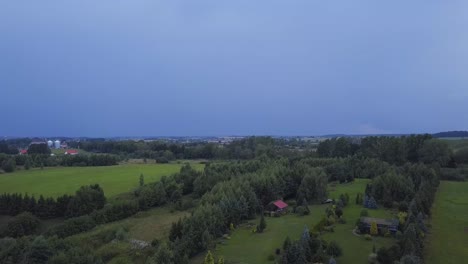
(56, 181)
(244, 247)
(448, 241)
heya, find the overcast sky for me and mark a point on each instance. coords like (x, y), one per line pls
(141, 68)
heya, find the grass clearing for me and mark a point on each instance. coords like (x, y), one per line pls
(56, 181)
(146, 226)
(448, 241)
(244, 247)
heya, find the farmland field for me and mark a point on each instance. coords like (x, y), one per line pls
(448, 241)
(255, 248)
(66, 180)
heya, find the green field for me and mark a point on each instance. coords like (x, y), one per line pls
(66, 180)
(244, 247)
(448, 241)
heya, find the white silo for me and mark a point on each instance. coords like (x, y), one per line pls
(50, 143)
(57, 144)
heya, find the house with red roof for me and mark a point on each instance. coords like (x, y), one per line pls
(71, 152)
(276, 208)
(23, 152)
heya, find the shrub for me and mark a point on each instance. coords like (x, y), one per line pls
(22, 225)
(155, 242)
(9, 165)
(301, 210)
(329, 229)
(331, 220)
(121, 234)
(73, 226)
(333, 249)
(367, 237)
(278, 251)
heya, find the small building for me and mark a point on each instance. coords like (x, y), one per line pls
(23, 152)
(390, 224)
(276, 208)
(71, 152)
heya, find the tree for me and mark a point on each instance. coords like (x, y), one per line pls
(209, 258)
(22, 225)
(262, 224)
(86, 200)
(38, 149)
(373, 229)
(435, 151)
(142, 180)
(410, 259)
(163, 255)
(27, 164)
(9, 165)
(221, 260)
(333, 249)
(286, 243)
(313, 186)
(40, 251)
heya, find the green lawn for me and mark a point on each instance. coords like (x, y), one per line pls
(356, 249)
(66, 180)
(448, 241)
(247, 248)
(147, 225)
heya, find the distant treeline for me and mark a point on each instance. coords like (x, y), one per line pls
(247, 148)
(10, 162)
(394, 150)
(448, 134)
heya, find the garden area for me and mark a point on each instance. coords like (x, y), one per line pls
(246, 247)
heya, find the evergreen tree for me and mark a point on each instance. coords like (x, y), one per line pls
(373, 229)
(261, 227)
(286, 243)
(209, 258)
(142, 180)
(221, 260)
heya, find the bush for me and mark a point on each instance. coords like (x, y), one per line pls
(367, 237)
(9, 165)
(333, 249)
(155, 243)
(73, 226)
(301, 210)
(22, 225)
(329, 229)
(121, 234)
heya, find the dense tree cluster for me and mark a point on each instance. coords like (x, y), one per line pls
(393, 150)
(9, 163)
(41, 249)
(86, 200)
(309, 249)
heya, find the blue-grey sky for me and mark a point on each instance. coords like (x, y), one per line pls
(276, 67)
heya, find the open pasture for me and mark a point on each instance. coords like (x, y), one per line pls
(52, 182)
(448, 241)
